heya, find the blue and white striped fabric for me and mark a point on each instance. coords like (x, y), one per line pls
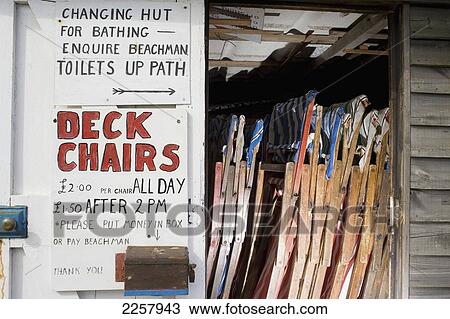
(331, 124)
(312, 133)
(255, 140)
(310, 96)
(354, 111)
(383, 118)
(286, 127)
(218, 131)
(223, 278)
(367, 132)
(232, 127)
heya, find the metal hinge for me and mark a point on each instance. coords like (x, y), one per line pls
(396, 217)
(191, 273)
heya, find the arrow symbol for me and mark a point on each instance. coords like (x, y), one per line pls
(157, 237)
(120, 91)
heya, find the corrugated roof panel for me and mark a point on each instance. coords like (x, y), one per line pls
(249, 48)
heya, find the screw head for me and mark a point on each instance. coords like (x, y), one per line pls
(9, 224)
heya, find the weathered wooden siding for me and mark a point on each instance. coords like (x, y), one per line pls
(429, 230)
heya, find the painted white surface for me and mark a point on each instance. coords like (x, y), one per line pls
(32, 143)
(144, 53)
(6, 105)
(31, 257)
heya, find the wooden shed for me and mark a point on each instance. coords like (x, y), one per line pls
(418, 97)
(396, 51)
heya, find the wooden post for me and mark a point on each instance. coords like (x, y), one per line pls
(216, 222)
(254, 239)
(319, 214)
(227, 235)
(241, 226)
(308, 193)
(303, 234)
(366, 242)
(333, 206)
(381, 229)
(283, 247)
(348, 239)
(335, 209)
(380, 279)
(318, 236)
(316, 231)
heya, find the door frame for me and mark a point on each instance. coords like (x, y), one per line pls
(7, 31)
(400, 148)
(399, 103)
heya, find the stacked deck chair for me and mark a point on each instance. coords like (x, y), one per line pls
(233, 183)
(312, 220)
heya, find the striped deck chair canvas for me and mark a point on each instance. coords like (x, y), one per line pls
(383, 118)
(367, 133)
(285, 128)
(331, 124)
(312, 133)
(354, 110)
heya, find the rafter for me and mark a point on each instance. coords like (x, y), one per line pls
(232, 22)
(361, 32)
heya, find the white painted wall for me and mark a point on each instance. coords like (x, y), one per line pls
(26, 102)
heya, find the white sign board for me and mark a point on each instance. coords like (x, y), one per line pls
(122, 53)
(121, 180)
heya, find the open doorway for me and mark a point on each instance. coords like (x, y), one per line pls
(298, 153)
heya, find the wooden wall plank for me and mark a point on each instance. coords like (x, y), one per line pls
(427, 293)
(430, 23)
(430, 53)
(430, 141)
(429, 214)
(430, 173)
(430, 206)
(430, 239)
(430, 271)
(430, 80)
(430, 109)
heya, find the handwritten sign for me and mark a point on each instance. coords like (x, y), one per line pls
(122, 53)
(121, 180)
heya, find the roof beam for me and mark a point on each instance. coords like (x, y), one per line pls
(279, 36)
(239, 64)
(232, 22)
(366, 26)
(297, 48)
(367, 6)
(271, 36)
(377, 36)
(366, 51)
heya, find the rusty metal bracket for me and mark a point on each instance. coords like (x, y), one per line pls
(192, 272)
(13, 222)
